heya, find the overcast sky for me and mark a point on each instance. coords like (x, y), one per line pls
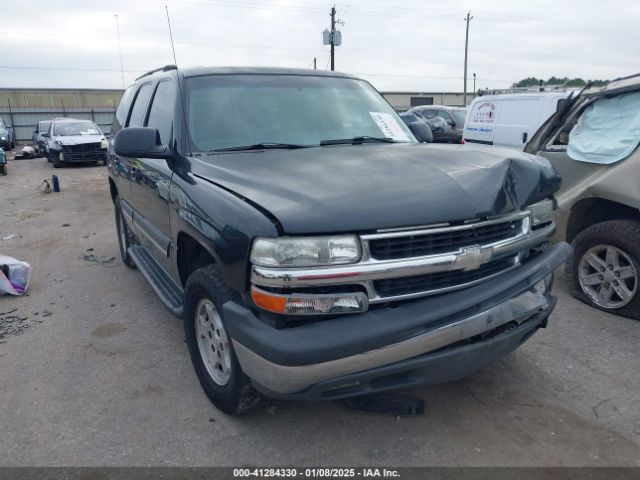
(402, 45)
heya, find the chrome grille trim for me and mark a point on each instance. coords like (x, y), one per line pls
(367, 270)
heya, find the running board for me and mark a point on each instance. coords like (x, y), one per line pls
(169, 292)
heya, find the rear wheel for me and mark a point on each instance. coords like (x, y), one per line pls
(604, 270)
(210, 345)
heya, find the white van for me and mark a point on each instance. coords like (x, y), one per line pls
(510, 119)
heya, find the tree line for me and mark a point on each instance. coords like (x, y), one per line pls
(569, 82)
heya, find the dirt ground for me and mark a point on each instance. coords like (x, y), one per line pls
(94, 371)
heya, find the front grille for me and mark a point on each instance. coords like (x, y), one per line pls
(436, 281)
(83, 147)
(442, 242)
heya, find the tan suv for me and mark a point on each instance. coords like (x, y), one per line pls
(593, 142)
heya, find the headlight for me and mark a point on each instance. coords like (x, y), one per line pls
(103, 143)
(305, 251)
(3, 138)
(542, 212)
(58, 143)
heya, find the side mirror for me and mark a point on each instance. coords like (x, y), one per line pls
(421, 131)
(451, 123)
(140, 142)
(45, 134)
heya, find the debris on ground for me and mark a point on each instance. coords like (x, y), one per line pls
(15, 276)
(8, 237)
(13, 324)
(27, 152)
(104, 260)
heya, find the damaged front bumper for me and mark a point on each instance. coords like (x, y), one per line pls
(424, 341)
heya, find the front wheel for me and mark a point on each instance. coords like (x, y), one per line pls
(210, 345)
(125, 237)
(604, 270)
(55, 158)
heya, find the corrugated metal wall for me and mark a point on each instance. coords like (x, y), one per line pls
(24, 119)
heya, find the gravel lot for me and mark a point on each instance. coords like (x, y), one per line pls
(96, 371)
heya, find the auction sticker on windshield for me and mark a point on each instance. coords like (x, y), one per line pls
(389, 126)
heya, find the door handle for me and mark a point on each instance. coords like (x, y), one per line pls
(524, 137)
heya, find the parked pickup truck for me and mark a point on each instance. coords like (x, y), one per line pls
(313, 247)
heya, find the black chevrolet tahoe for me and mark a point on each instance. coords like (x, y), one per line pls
(313, 247)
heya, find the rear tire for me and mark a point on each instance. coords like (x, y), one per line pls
(604, 270)
(210, 345)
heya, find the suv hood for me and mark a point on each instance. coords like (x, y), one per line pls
(369, 187)
(78, 139)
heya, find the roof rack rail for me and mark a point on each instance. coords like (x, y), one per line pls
(533, 88)
(166, 68)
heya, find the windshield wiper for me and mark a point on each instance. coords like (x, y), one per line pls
(260, 146)
(358, 140)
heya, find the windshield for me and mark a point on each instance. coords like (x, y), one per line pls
(459, 115)
(66, 129)
(225, 111)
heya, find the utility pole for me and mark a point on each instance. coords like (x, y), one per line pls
(474, 83)
(315, 66)
(119, 51)
(333, 31)
(466, 49)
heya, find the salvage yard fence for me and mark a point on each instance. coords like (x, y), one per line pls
(24, 119)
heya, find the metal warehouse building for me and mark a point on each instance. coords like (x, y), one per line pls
(402, 101)
(23, 108)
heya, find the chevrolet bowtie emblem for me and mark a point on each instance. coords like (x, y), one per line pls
(473, 257)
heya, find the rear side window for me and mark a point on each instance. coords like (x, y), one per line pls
(428, 113)
(161, 113)
(140, 106)
(123, 108)
(520, 111)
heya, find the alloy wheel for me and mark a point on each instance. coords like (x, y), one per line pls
(213, 342)
(608, 276)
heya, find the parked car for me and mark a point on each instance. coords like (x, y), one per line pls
(593, 142)
(72, 140)
(453, 117)
(7, 136)
(510, 119)
(417, 123)
(37, 140)
(315, 249)
(3, 162)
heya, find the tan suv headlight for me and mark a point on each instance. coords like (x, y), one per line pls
(542, 212)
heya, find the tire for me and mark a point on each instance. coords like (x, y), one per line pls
(55, 158)
(614, 286)
(228, 387)
(125, 237)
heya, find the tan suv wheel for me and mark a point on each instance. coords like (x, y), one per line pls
(604, 270)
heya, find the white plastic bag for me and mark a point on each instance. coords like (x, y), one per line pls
(15, 276)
